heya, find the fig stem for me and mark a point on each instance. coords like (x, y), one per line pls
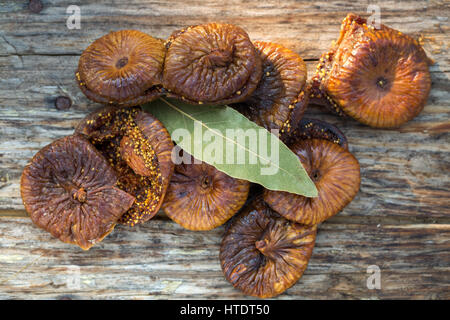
(220, 58)
(261, 245)
(122, 63)
(381, 82)
(205, 182)
(79, 195)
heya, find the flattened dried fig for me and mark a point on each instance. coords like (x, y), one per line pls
(336, 174)
(279, 101)
(379, 77)
(139, 148)
(70, 190)
(200, 197)
(263, 254)
(122, 67)
(318, 129)
(212, 63)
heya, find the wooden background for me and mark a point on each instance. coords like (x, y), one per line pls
(400, 220)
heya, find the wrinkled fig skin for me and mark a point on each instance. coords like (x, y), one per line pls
(69, 190)
(133, 158)
(279, 101)
(149, 95)
(212, 64)
(161, 142)
(318, 129)
(263, 254)
(122, 67)
(157, 139)
(139, 148)
(379, 77)
(336, 174)
(98, 126)
(200, 197)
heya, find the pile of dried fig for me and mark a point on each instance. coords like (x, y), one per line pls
(117, 166)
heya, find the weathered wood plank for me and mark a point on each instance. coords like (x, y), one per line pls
(301, 24)
(162, 260)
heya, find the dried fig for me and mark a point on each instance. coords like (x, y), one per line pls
(122, 67)
(212, 63)
(318, 129)
(70, 190)
(379, 77)
(200, 197)
(139, 148)
(279, 101)
(336, 174)
(263, 254)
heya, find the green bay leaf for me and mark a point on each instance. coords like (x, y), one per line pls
(203, 131)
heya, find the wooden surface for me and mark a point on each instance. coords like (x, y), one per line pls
(400, 220)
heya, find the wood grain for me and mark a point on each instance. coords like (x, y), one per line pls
(400, 219)
(162, 260)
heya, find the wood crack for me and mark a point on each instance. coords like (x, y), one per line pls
(14, 48)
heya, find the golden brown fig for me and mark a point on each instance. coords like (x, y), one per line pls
(122, 67)
(263, 254)
(279, 101)
(139, 148)
(200, 197)
(213, 64)
(379, 77)
(70, 190)
(336, 174)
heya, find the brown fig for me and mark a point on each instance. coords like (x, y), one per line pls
(279, 101)
(200, 197)
(309, 128)
(336, 174)
(379, 77)
(70, 190)
(213, 64)
(139, 148)
(263, 254)
(122, 67)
